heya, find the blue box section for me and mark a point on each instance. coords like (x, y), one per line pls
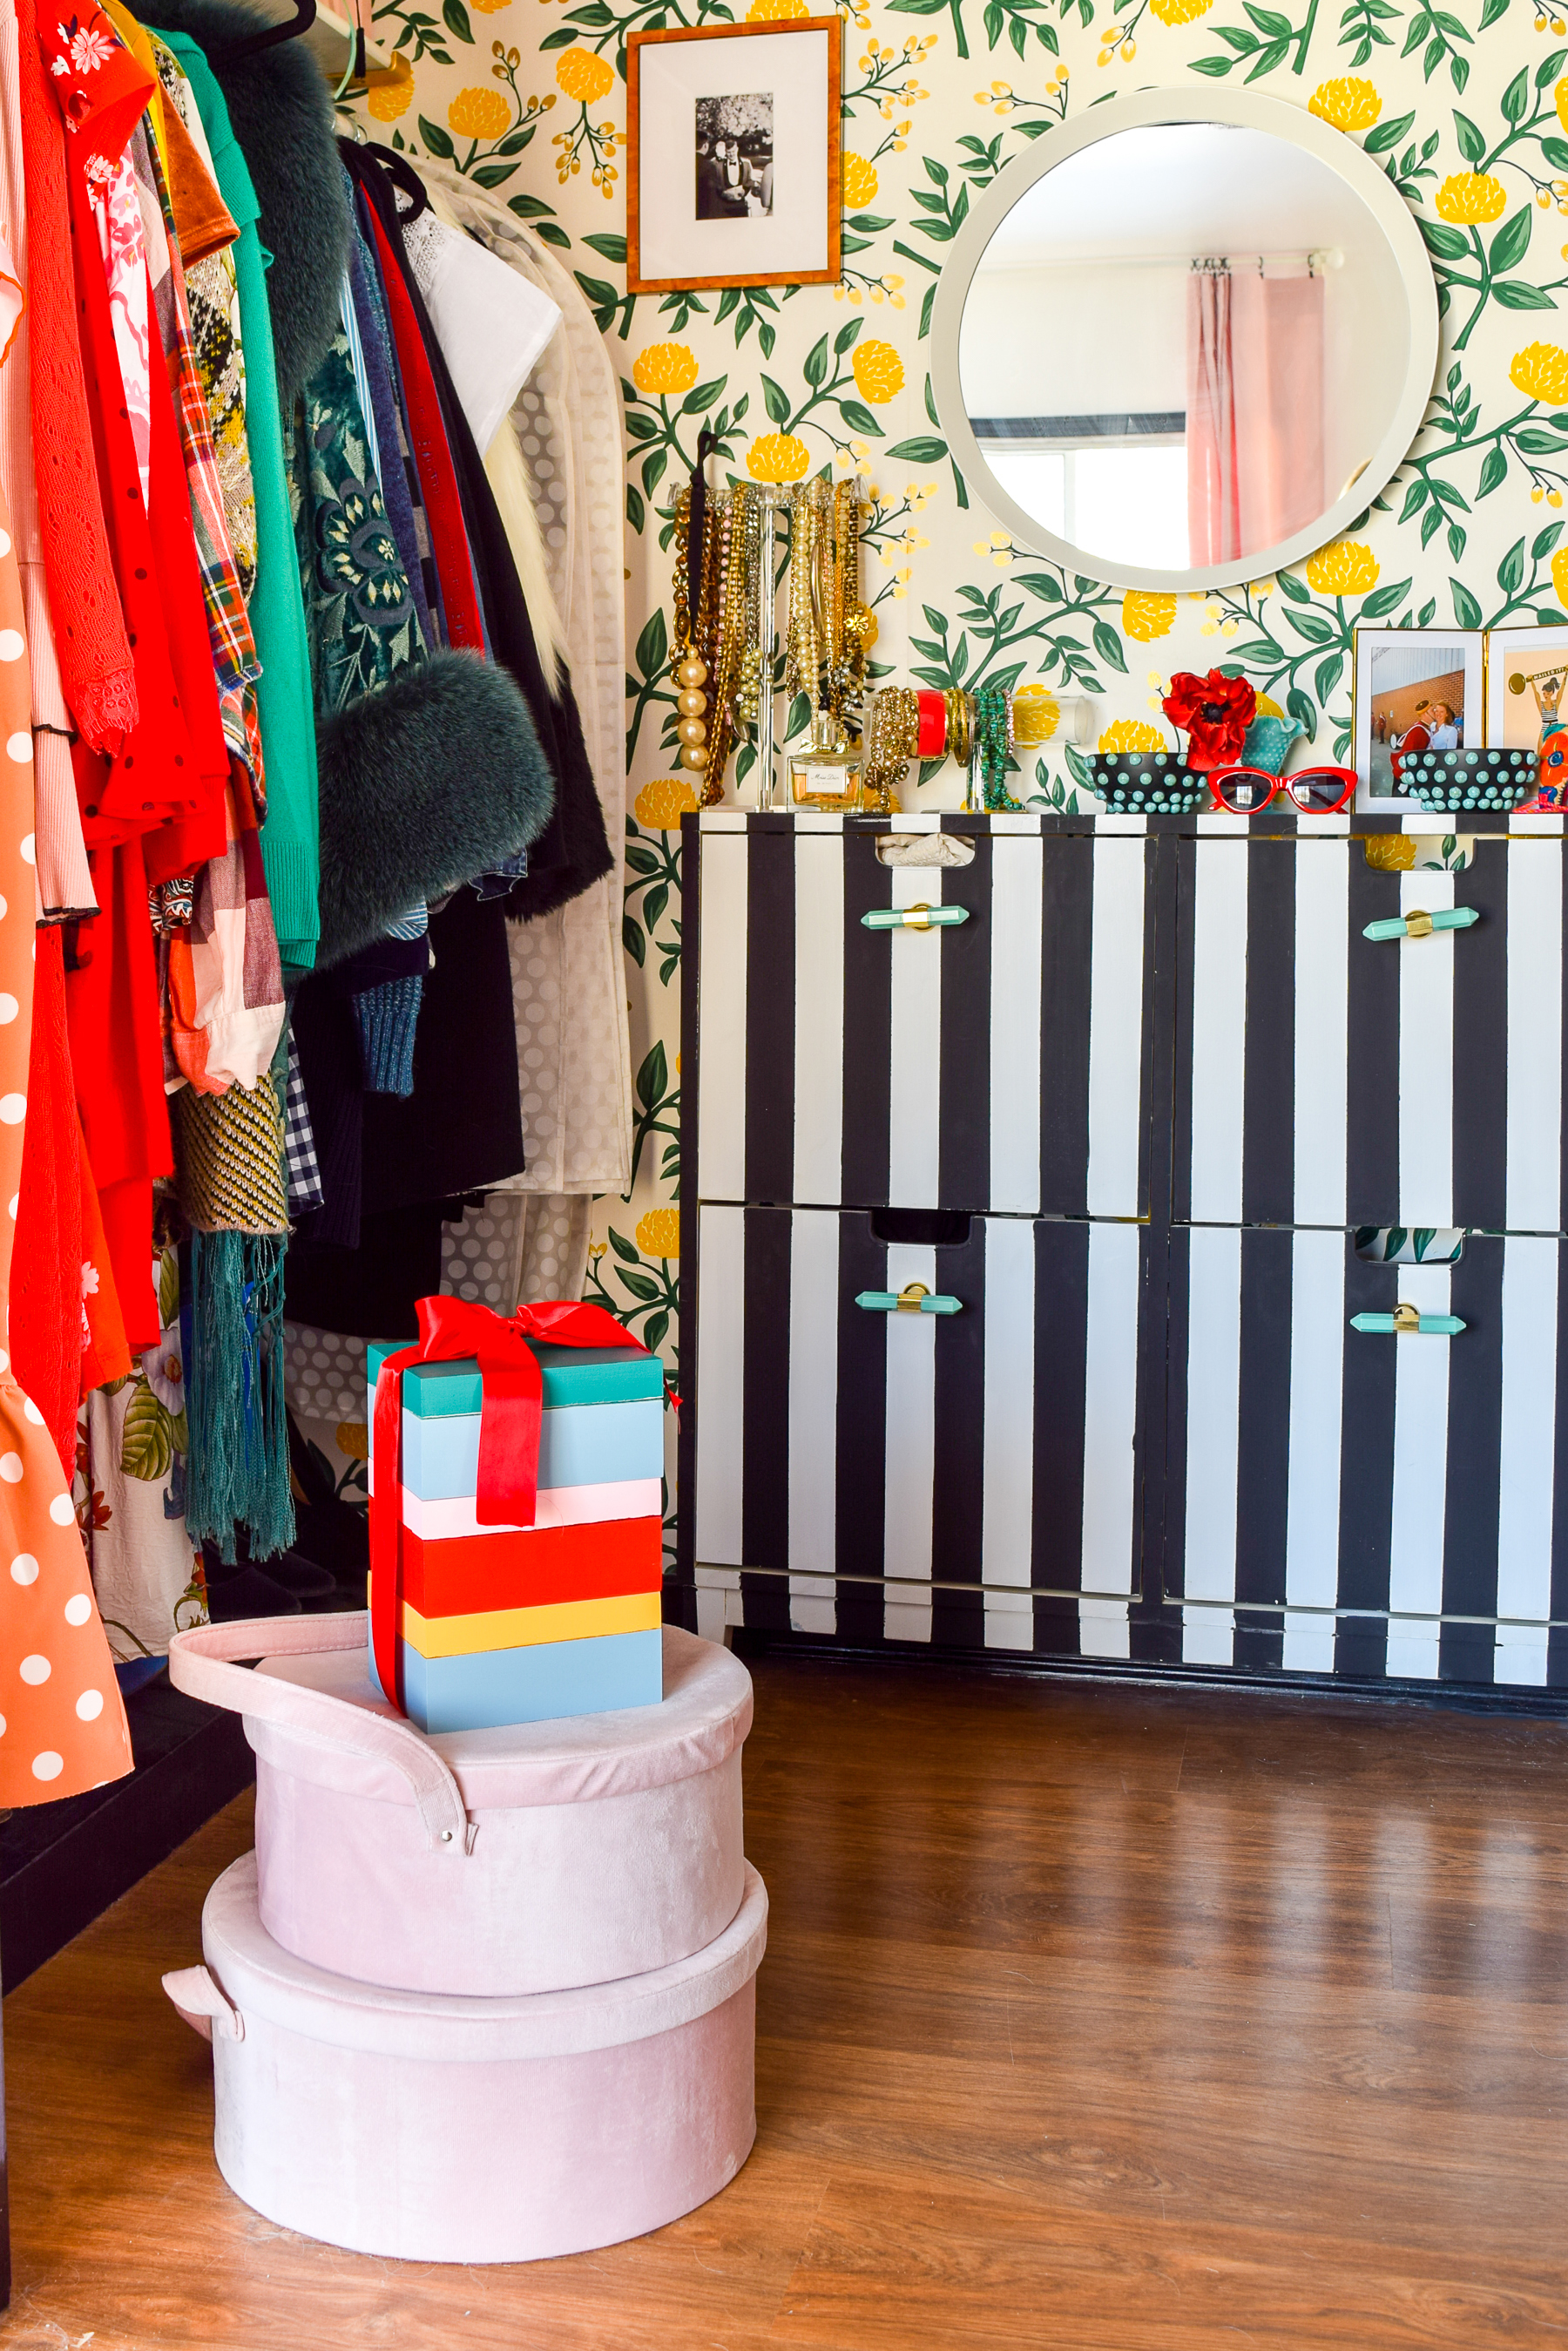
(580, 1445)
(542, 1684)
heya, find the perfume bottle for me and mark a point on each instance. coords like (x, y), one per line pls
(827, 774)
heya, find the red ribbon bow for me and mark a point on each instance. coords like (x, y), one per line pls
(512, 1400)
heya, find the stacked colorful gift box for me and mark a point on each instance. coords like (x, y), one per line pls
(504, 1624)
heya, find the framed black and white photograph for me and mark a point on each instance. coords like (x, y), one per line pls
(1416, 690)
(732, 157)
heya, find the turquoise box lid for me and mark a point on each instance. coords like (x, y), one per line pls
(572, 1376)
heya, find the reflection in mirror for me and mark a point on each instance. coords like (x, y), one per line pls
(1183, 344)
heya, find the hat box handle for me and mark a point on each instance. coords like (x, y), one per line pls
(200, 1662)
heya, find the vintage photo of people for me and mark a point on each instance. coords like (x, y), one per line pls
(735, 156)
(1418, 703)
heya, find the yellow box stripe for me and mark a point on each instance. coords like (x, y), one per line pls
(519, 1628)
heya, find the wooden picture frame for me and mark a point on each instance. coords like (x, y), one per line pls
(796, 242)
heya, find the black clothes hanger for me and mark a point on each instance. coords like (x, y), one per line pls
(300, 22)
(398, 169)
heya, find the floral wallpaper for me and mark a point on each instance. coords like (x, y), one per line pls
(1465, 106)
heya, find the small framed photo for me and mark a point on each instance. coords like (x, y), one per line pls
(1527, 702)
(732, 155)
(1415, 690)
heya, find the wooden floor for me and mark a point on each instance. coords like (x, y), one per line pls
(1100, 2019)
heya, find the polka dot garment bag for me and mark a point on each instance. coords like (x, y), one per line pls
(62, 1724)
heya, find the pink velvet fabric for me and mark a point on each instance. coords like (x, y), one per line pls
(1254, 412)
(442, 2129)
(551, 1895)
(588, 1849)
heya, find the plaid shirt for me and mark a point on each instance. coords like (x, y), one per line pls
(236, 663)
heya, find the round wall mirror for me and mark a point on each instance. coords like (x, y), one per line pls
(1185, 340)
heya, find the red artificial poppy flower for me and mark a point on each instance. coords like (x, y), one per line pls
(1215, 713)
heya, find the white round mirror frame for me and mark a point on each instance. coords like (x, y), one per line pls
(1252, 111)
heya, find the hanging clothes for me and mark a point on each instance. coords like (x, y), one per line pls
(90, 626)
(117, 1055)
(399, 478)
(290, 839)
(65, 1722)
(64, 882)
(132, 1460)
(233, 1007)
(364, 630)
(66, 1333)
(574, 850)
(493, 325)
(568, 971)
(46, 1304)
(167, 777)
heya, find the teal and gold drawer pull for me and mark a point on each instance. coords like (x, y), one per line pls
(914, 918)
(1418, 925)
(913, 1298)
(1407, 1323)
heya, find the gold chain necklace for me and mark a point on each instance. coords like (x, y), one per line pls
(802, 653)
(892, 738)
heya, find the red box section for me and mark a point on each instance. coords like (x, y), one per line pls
(460, 1575)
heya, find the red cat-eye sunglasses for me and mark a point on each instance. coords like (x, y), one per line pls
(1316, 791)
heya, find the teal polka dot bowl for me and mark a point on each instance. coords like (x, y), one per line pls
(1147, 783)
(1455, 782)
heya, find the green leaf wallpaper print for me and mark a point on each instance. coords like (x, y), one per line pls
(1464, 106)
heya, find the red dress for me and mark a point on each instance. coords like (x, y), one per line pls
(62, 1722)
(167, 779)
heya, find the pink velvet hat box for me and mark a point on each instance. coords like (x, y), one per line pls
(491, 1864)
(442, 2128)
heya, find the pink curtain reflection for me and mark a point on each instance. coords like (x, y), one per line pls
(1254, 410)
(1213, 509)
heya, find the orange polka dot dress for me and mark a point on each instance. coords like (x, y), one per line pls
(62, 1722)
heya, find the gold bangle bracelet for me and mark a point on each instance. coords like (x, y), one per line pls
(961, 725)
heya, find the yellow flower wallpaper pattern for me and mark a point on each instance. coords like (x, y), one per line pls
(1464, 108)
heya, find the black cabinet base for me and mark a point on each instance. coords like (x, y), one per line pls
(62, 1865)
(1456, 1696)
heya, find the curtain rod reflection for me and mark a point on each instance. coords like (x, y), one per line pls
(1220, 265)
(1316, 257)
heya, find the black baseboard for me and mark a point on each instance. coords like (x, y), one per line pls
(1456, 1698)
(62, 1865)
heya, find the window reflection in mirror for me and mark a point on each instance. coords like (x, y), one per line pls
(1183, 344)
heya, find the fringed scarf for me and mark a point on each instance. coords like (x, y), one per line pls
(230, 1153)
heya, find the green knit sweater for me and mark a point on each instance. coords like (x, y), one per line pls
(290, 837)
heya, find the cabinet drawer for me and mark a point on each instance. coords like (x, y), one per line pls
(1325, 1078)
(1003, 1063)
(1341, 1501)
(898, 1476)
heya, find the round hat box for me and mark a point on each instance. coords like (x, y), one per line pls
(489, 1862)
(449, 2129)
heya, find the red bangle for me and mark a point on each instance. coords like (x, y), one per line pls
(932, 741)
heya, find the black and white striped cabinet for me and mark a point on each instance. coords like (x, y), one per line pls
(1340, 1500)
(895, 1475)
(1126, 1120)
(1324, 1078)
(1001, 1063)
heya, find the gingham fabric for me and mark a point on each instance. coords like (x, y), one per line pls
(301, 1173)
